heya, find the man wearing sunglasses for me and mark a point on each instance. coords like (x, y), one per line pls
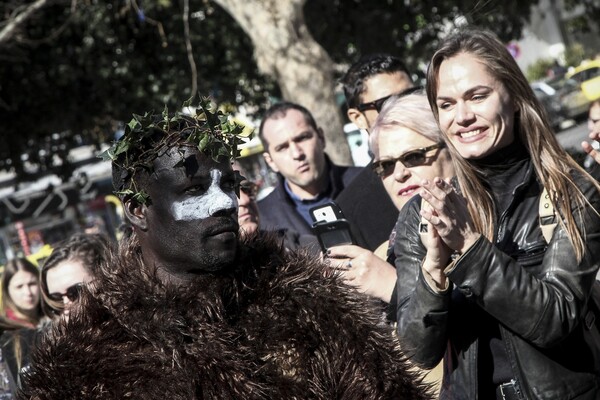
(367, 85)
(249, 217)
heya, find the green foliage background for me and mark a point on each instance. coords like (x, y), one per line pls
(69, 77)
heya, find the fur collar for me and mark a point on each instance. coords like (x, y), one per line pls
(271, 327)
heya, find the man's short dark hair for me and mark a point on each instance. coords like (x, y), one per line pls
(366, 67)
(280, 110)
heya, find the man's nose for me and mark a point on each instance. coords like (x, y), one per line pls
(243, 199)
(296, 151)
(66, 301)
(222, 202)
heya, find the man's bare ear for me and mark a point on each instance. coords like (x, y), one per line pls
(357, 118)
(270, 162)
(136, 214)
(321, 135)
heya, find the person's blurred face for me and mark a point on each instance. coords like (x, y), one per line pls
(248, 209)
(296, 151)
(404, 182)
(189, 226)
(24, 290)
(63, 281)
(377, 87)
(594, 118)
(476, 112)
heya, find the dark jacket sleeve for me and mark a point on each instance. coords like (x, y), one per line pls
(540, 298)
(368, 208)
(551, 301)
(422, 313)
(277, 212)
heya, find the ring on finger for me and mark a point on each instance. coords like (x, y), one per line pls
(349, 264)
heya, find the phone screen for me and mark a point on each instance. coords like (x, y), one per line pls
(326, 213)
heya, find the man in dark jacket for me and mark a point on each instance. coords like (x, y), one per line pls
(188, 311)
(248, 218)
(295, 147)
(365, 203)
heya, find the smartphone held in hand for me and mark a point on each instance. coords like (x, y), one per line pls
(330, 227)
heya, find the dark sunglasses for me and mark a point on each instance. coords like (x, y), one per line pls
(377, 104)
(249, 188)
(412, 158)
(72, 293)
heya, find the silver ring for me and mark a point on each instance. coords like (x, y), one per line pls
(349, 264)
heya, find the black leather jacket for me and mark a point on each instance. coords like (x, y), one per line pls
(535, 292)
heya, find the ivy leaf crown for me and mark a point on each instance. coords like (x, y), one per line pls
(151, 135)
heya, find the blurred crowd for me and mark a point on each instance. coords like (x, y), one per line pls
(460, 263)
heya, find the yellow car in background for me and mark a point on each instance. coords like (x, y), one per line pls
(588, 76)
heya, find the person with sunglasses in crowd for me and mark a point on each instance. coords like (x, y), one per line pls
(368, 83)
(249, 219)
(407, 147)
(72, 264)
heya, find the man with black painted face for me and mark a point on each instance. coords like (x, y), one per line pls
(187, 310)
(193, 206)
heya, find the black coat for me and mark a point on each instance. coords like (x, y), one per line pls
(271, 327)
(16, 347)
(278, 211)
(368, 207)
(534, 292)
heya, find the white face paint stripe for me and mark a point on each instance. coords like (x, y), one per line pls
(201, 207)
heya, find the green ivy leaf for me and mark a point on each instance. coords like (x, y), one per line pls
(122, 147)
(125, 192)
(141, 197)
(133, 124)
(204, 141)
(212, 132)
(106, 155)
(188, 102)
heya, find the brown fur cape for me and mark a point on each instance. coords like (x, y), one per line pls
(272, 327)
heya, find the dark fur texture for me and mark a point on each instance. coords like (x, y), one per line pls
(273, 327)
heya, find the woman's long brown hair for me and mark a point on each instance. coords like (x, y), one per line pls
(553, 166)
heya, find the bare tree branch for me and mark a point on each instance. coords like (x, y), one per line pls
(140, 13)
(188, 45)
(13, 25)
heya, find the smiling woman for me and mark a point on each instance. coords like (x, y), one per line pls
(484, 255)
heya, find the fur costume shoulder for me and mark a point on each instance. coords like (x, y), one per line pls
(271, 327)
